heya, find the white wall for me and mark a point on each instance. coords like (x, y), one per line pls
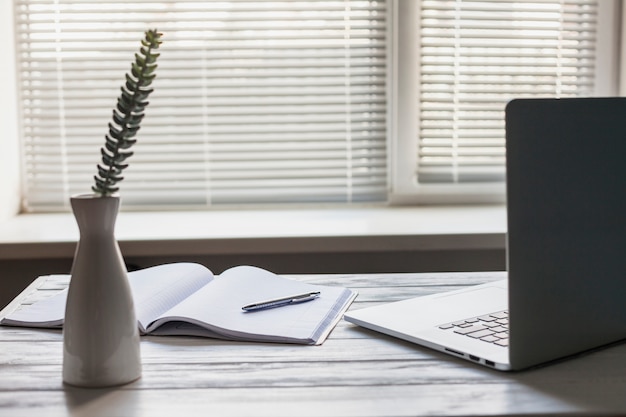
(9, 153)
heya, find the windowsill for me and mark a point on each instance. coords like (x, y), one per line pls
(283, 231)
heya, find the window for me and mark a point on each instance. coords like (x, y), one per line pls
(470, 59)
(297, 101)
(254, 102)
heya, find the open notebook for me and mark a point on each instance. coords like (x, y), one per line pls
(187, 299)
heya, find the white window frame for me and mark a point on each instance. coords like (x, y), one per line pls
(402, 120)
(10, 174)
(404, 102)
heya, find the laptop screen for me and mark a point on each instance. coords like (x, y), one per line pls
(566, 204)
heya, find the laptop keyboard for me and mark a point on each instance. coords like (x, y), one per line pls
(490, 328)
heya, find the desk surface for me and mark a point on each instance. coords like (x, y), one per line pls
(356, 372)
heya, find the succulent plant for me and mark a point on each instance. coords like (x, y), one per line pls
(127, 116)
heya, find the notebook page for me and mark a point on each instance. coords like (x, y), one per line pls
(219, 305)
(157, 289)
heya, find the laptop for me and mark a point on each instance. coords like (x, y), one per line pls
(566, 247)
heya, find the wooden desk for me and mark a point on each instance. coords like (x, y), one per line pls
(356, 372)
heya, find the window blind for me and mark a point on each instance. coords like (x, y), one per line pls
(254, 101)
(477, 55)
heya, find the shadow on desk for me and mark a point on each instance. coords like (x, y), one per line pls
(592, 382)
(81, 398)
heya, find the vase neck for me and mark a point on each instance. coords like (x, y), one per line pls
(95, 215)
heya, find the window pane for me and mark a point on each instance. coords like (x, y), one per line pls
(475, 56)
(254, 102)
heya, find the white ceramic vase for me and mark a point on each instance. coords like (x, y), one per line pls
(100, 333)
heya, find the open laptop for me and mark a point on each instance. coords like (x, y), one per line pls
(566, 247)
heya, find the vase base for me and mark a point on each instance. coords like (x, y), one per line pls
(96, 385)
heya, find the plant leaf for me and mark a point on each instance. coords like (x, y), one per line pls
(127, 115)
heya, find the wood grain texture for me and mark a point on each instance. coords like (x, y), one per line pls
(356, 372)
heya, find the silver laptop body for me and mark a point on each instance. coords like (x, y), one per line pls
(566, 246)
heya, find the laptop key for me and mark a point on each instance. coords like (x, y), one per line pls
(499, 329)
(471, 329)
(480, 334)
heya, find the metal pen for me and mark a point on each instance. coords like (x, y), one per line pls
(280, 302)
